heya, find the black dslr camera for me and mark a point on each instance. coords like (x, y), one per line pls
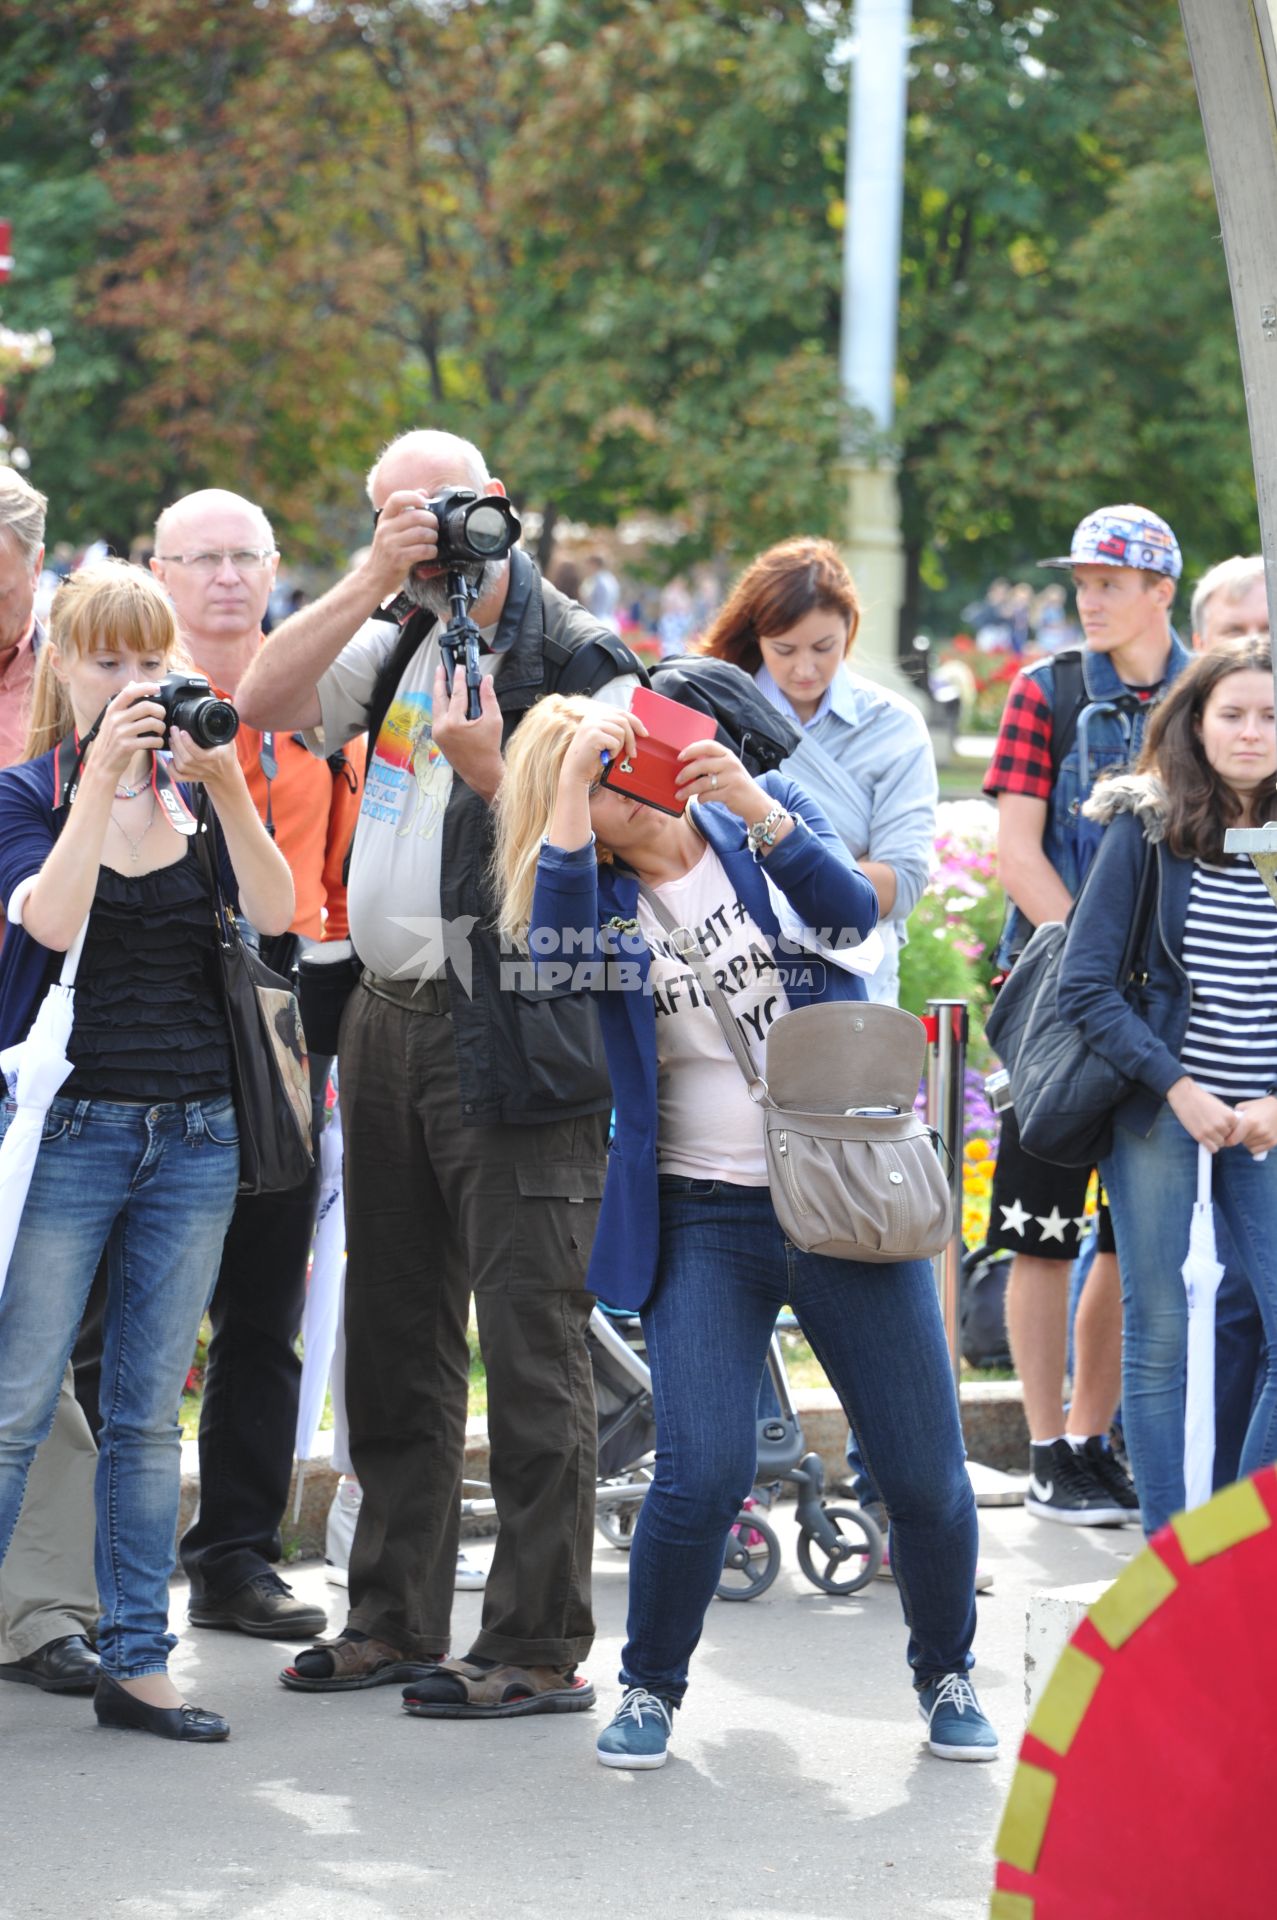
(190, 703)
(474, 527)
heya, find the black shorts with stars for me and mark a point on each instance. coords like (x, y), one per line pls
(1037, 1208)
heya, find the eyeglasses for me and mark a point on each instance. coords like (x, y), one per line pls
(243, 559)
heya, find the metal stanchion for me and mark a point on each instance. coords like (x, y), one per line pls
(947, 1032)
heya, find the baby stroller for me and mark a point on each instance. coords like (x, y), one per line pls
(839, 1548)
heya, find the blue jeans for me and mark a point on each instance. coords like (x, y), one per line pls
(1152, 1184)
(154, 1186)
(726, 1270)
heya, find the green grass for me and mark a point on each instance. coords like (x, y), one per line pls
(801, 1364)
(193, 1398)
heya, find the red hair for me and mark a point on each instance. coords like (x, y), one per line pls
(776, 591)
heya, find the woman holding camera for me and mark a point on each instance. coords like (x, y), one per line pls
(1198, 1037)
(687, 1233)
(139, 1155)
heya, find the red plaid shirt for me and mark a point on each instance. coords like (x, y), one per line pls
(1021, 760)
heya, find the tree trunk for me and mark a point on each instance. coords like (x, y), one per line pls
(545, 540)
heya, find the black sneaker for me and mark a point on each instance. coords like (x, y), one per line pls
(1112, 1475)
(1063, 1487)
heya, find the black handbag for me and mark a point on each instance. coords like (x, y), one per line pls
(1063, 1092)
(271, 1076)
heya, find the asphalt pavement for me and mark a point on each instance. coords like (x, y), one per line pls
(798, 1787)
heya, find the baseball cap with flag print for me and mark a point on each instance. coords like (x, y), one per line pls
(1125, 536)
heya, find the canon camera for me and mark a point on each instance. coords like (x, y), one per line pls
(190, 703)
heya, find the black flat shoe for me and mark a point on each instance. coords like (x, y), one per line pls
(115, 1706)
(68, 1665)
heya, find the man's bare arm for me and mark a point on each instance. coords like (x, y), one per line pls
(279, 689)
(1023, 869)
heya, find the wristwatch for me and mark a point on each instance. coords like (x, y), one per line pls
(763, 832)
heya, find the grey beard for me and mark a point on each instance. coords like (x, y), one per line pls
(432, 595)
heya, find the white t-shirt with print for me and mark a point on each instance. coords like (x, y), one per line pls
(394, 897)
(708, 1127)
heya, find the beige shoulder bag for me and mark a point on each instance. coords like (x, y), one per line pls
(853, 1170)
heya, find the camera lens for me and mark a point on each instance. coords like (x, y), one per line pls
(486, 528)
(216, 723)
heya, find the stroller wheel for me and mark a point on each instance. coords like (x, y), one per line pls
(617, 1526)
(848, 1561)
(616, 1523)
(752, 1559)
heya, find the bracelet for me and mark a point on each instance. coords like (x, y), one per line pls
(763, 832)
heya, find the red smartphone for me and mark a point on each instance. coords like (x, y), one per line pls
(650, 773)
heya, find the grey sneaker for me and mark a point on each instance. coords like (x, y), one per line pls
(639, 1734)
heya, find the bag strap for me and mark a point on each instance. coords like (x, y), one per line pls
(71, 958)
(685, 945)
(1135, 951)
(1068, 697)
(223, 913)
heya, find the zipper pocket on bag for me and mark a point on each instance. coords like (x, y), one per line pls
(782, 1149)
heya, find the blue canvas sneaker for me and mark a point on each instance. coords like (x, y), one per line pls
(639, 1734)
(956, 1728)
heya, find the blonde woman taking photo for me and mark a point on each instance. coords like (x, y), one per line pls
(687, 1234)
(139, 1157)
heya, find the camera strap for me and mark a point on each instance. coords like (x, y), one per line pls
(270, 768)
(171, 798)
(69, 760)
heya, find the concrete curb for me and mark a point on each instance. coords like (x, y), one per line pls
(992, 1423)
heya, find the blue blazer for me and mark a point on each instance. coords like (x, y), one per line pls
(588, 912)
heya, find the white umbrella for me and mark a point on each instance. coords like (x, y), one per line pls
(1202, 1274)
(34, 1070)
(323, 1294)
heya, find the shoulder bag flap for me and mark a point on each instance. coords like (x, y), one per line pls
(846, 1053)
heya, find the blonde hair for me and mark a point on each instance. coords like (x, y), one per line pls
(525, 803)
(110, 605)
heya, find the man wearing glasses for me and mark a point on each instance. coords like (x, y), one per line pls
(215, 554)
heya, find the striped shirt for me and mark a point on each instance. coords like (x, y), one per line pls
(1230, 955)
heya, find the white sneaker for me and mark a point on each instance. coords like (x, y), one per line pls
(470, 1577)
(340, 1533)
(340, 1536)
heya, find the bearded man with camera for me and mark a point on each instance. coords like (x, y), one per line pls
(475, 1119)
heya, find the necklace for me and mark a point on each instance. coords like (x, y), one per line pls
(135, 846)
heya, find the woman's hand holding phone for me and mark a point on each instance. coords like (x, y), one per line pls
(611, 735)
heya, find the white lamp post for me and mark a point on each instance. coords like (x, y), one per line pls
(870, 306)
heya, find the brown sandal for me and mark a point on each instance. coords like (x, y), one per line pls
(458, 1690)
(348, 1663)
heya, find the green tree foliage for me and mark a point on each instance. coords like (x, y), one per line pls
(602, 237)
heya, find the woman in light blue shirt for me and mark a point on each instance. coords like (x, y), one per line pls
(865, 756)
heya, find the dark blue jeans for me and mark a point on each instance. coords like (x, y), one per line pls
(726, 1270)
